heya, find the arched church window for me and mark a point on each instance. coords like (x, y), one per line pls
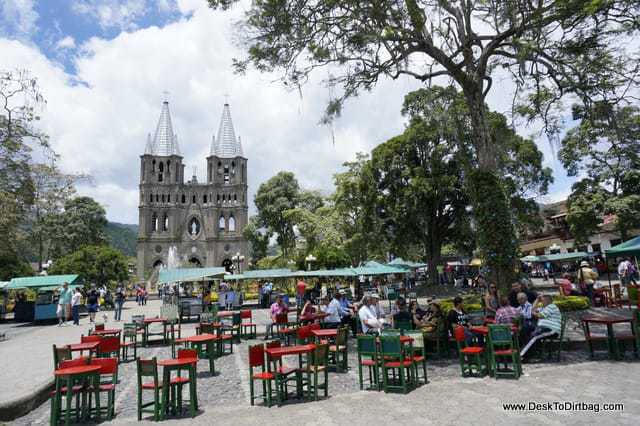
(193, 199)
(157, 198)
(154, 223)
(160, 170)
(168, 198)
(204, 199)
(244, 177)
(153, 166)
(193, 227)
(224, 198)
(177, 173)
(184, 199)
(165, 223)
(222, 223)
(163, 198)
(232, 224)
(151, 198)
(235, 197)
(233, 167)
(218, 198)
(219, 167)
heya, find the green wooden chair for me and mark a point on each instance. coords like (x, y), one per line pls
(472, 358)
(419, 356)
(395, 359)
(504, 357)
(129, 341)
(149, 368)
(339, 353)
(368, 357)
(317, 366)
(403, 325)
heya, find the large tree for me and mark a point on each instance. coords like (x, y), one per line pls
(82, 223)
(551, 47)
(605, 148)
(95, 264)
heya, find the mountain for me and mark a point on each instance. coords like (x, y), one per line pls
(123, 237)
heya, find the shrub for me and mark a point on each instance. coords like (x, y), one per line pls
(469, 303)
(250, 296)
(571, 303)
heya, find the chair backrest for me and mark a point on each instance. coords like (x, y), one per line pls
(147, 368)
(476, 318)
(366, 344)
(207, 328)
(90, 338)
(129, 330)
(342, 336)
(256, 355)
(500, 334)
(319, 357)
(246, 314)
(61, 353)
(138, 320)
(107, 365)
(402, 324)
(304, 333)
(391, 332)
(76, 362)
(458, 333)
(187, 353)
(206, 317)
(418, 338)
(236, 318)
(617, 292)
(109, 345)
(99, 326)
(169, 311)
(315, 326)
(390, 345)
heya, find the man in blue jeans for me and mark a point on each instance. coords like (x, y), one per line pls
(75, 306)
(119, 301)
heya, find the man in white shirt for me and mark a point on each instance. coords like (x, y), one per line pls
(623, 269)
(75, 306)
(333, 309)
(368, 320)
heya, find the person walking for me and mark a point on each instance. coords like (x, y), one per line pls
(92, 303)
(64, 301)
(119, 302)
(75, 306)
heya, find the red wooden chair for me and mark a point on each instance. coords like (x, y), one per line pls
(249, 328)
(76, 390)
(108, 381)
(179, 382)
(99, 327)
(108, 347)
(304, 335)
(90, 338)
(256, 359)
(472, 358)
(284, 373)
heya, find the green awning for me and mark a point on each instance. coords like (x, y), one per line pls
(628, 248)
(189, 274)
(266, 274)
(375, 268)
(559, 257)
(3, 284)
(56, 287)
(401, 263)
(340, 272)
(42, 281)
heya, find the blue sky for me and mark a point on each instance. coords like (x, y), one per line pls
(104, 64)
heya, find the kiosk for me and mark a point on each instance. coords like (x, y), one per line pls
(45, 305)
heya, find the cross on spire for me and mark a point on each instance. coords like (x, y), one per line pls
(165, 96)
(226, 99)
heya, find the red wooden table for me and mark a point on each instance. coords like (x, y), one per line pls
(207, 340)
(290, 350)
(313, 317)
(67, 377)
(81, 347)
(327, 332)
(177, 364)
(107, 332)
(225, 314)
(484, 330)
(609, 321)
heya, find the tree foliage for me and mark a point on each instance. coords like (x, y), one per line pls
(82, 223)
(258, 239)
(95, 264)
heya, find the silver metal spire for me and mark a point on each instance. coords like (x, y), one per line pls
(165, 142)
(226, 145)
(148, 149)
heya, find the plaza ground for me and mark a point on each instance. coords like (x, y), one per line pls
(447, 399)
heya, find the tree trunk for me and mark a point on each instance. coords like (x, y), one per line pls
(491, 207)
(432, 250)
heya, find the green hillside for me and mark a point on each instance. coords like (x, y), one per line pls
(123, 237)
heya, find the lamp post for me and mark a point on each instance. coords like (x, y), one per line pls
(310, 259)
(238, 260)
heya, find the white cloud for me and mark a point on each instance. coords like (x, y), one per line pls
(119, 14)
(100, 127)
(67, 42)
(17, 18)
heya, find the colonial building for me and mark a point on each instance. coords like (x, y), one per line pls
(191, 223)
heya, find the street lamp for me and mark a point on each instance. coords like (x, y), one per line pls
(238, 260)
(310, 259)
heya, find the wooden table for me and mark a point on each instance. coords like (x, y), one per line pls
(313, 317)
(107, 332)
(207, 340)
(225, 314)
(86, 346)
(67, 377)
(147, 322)
(273, 354)
(169, 365)
(327, 333)
(609, 321)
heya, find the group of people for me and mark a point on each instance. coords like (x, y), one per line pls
(70, 300)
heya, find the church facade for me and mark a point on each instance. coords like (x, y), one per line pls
(191, 224)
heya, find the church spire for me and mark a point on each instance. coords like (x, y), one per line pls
(165, 142)
(226, 145)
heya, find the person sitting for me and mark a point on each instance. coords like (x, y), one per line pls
(277, 308)
(368, 319)
(528, 323)
(506, 313)
(403, 314)
(566, 287)
(307, 308)
(433, 320)
(549, 321)
(418, 315)
(516, 288)
(491, 301)
(334, 310)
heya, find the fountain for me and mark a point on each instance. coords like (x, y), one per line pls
(173, 259)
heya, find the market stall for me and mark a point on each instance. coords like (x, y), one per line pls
(38, 297)
(185, 280)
